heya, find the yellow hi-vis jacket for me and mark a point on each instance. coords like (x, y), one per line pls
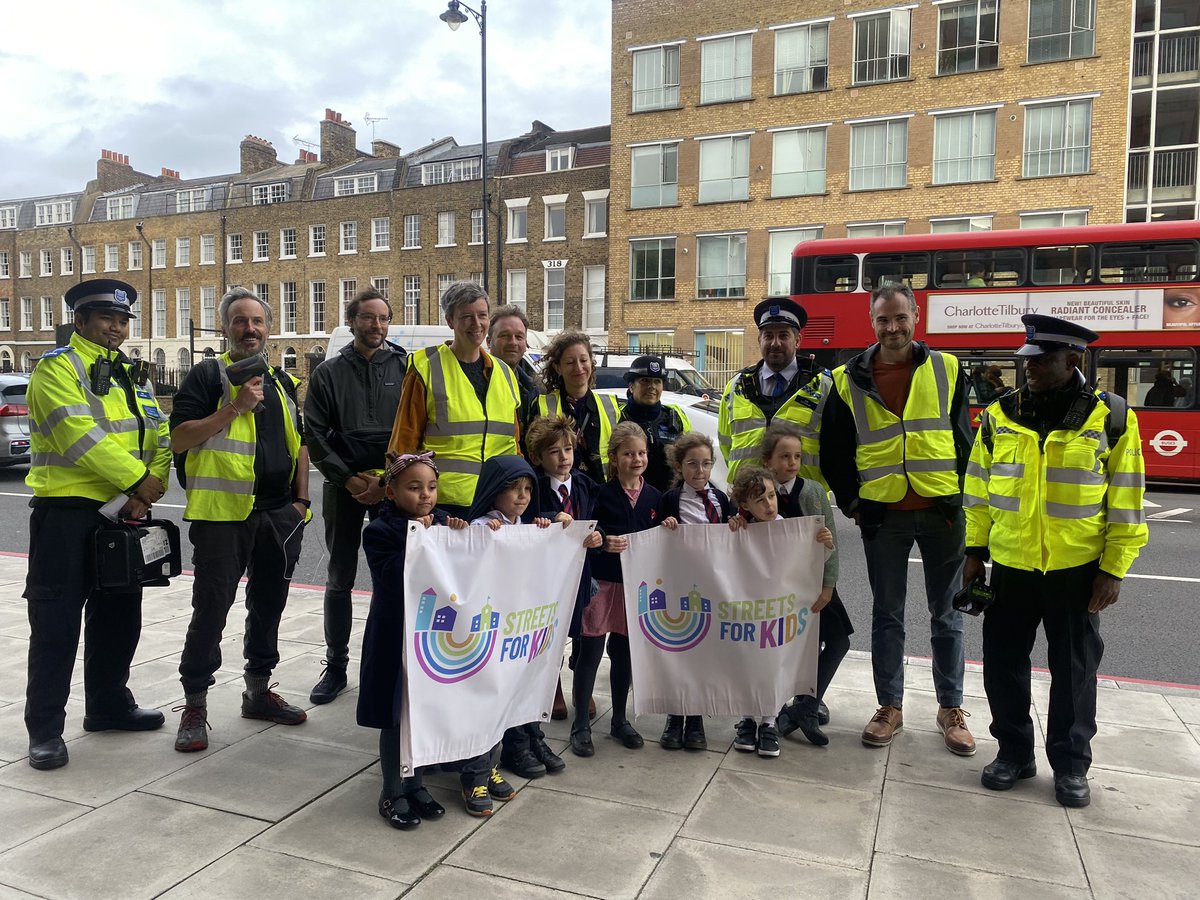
(220, 471)
(741, 423)
(1064, 504)
(917, 449)
(460, 430)
(610, 413)
(88, 445)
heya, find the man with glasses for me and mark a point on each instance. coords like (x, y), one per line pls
(348, 416)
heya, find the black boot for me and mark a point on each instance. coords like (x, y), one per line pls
(693, 733)
(672, 736)
(805, 714)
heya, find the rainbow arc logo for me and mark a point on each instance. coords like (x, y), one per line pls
(673, 632)
(445, 658)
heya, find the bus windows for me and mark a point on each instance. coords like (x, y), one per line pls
(982, 268)
(1063, 265)
(988, 377)
(1149, 378)
(1149, 262)
(911, 269)
(835, 273)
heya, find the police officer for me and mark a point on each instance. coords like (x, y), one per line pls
(662, 422)
(246, 476)
(1053, 495)
(348, 416)
(894, 445)
(96, 433)
(778, 385)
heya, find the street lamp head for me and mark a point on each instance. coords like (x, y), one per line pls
(139, 227)
(453, 16)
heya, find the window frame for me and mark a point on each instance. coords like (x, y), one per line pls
(710, 149)
(858, 128)
(662, 245)
(980, 46)
(805, 174)
(552, 205)
(667, 191)
(727, 88)
(381, 233)
(446, 227)
(1084, 35)
(1064, 153)
(553, 278)
(730, 290)
(348, 238)
(665, 93)
(809, 75)
(973, 159)
(898, 65)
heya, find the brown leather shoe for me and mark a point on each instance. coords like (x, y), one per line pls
(885, 723)
(559, 712)
(952, 722)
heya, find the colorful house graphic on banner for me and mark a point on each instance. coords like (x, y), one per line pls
(443, 657)
(673, 632)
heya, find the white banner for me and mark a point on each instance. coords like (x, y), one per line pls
(721, 622)
(486, 619)
(997, 312)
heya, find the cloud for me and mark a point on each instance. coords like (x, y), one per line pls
(182, 86)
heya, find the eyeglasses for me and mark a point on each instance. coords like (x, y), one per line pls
(698, 464)
(367, 320)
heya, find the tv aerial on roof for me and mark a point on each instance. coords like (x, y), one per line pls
(301, 142)
(371, 120)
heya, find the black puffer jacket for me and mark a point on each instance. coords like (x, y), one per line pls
(350, 409)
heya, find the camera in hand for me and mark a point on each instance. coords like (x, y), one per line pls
(244, 369)
(974, 598)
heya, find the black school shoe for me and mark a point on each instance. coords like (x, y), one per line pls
(398, 812)
(672, 736)
(423, 804)
(48, 754)
(627, 735)
(133, 719)
(523, 763)
(822, 713)
(1002, 774)
(331, 683)
(547, 757)
(693, 733)
(581, 742)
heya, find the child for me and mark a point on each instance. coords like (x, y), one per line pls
(781, 451)
(411, 488)
(626, 504)
(569, 495)
(693, 501)
(502, 497)
(755, 494)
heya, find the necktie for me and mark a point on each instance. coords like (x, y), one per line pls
(778, 383)
(565, 495)
(710, 508)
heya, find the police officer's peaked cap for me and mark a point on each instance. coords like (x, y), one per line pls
(646, 367)
(1045, 334)
(102, 294)
(780, 311)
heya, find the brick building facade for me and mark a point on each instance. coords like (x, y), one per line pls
(307, 235)
(741, 129)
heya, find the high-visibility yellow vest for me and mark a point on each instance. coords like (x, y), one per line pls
(220, 471)
(83, 444)
(741, 424)
(460, 430)
(610, 413)
(916, 449)
(1070, 501)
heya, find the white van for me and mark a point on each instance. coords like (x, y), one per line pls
(418, 337)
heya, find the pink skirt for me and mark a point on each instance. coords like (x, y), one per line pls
(606, 611)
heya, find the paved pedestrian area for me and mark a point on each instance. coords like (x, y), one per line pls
(271, 811)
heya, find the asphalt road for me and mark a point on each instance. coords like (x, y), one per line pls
(1149, 634)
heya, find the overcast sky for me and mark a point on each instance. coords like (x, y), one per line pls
(179, 84)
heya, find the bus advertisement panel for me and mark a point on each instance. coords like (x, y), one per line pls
(1137, 286)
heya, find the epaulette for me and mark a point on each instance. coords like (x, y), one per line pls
(55, 352)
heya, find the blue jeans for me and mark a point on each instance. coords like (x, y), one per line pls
(942, 546)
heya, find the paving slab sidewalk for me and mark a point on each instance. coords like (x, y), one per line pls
(270, 811)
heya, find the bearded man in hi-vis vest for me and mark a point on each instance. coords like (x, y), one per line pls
(894, 447)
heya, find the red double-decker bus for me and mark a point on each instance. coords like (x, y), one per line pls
(1136, 285)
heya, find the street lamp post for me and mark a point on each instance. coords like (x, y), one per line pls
(149, 304)
(453, 16)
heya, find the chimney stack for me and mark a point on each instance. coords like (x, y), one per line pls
(306, 157)
(257, 155)
(385, 150)
(170, 174)
(113, 171)
(337, 140)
